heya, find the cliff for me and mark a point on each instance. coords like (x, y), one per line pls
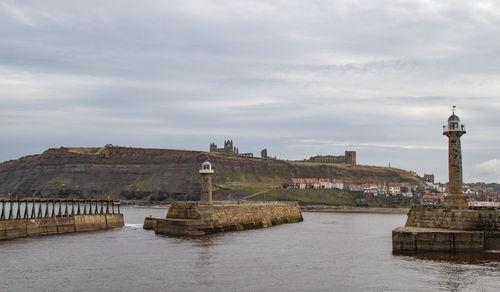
(161, 174)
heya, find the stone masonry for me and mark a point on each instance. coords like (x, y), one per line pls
(192, 218)
(452, 227)
(454, 131)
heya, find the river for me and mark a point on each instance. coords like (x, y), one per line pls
(326, 252)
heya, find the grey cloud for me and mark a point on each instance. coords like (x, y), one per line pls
(299, 78)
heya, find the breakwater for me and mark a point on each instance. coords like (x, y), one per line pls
(449, 229)
(26, 218)
(193, 218)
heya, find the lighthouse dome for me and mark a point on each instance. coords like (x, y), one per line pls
(453, 118)
(454, 124)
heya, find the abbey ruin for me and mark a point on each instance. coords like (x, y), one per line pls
(348, 158)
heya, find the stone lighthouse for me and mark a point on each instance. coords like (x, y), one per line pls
(454, 130)
(206, 172)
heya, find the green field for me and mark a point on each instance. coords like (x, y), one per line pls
(309, 196)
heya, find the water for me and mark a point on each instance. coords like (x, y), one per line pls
(326, 252)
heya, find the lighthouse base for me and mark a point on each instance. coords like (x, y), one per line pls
(448, 229)
(456, 201)
(195, 218)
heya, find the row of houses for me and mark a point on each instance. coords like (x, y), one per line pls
(405, 189)
(475, 200)
(315, 183)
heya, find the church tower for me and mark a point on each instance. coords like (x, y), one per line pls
(454, 130)
(206, 172)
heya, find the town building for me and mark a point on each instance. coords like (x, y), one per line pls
(429, 178)
(325, 183)
(432, 199)
(355, 188)
(297, 183)
(315, 183)
(338, 184)
(394, 189)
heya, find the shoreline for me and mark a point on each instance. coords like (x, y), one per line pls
(310, 208)
(349, 209)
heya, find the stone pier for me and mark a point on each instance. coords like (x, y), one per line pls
(27, 218)
(441, 228)
(193, 218)
(452, 227)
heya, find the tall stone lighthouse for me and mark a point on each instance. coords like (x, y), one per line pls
(206, 172)
(454, 130)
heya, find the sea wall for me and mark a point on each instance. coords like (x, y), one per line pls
(149, 223)
(414, 239)
(11, 229)
(454, 218)
(443, 228)
(192, 218)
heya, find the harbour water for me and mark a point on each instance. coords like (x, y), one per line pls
(326, 252)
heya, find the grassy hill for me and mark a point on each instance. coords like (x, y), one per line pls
(166, 175)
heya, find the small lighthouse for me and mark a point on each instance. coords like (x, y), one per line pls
(206, 172)
(454, 130)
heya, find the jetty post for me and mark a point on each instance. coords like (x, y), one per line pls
(206, 172)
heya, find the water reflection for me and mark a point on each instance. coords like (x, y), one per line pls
(457, 271)
(326, 252)
(481, 258)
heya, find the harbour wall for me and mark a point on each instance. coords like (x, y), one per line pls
(12, 229)
(442, 228)
(486, 219)
(35, 217)
(192, 218)
(149, 223)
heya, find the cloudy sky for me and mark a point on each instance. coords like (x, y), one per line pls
(299, 78)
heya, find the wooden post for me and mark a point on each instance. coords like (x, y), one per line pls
(26, 211)
(66, 208)
(118, 207)
(60, 208)
(102, 207)
(53, 209)
(18, 216)
(107, 206)
(46, 208)
(2, 216)
(11, 214)
(90, 207)
(33, 210)
(84, 207)
(40, 210)
(113, 207)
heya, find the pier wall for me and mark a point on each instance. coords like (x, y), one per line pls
(444, 228)
(12, 229)
(486, 219)
(149, 223)
(192, 218)
(414, 239)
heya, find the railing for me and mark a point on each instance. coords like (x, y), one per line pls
(244, 202)
(31, 209)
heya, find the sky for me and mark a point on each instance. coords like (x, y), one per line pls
(299, 78)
